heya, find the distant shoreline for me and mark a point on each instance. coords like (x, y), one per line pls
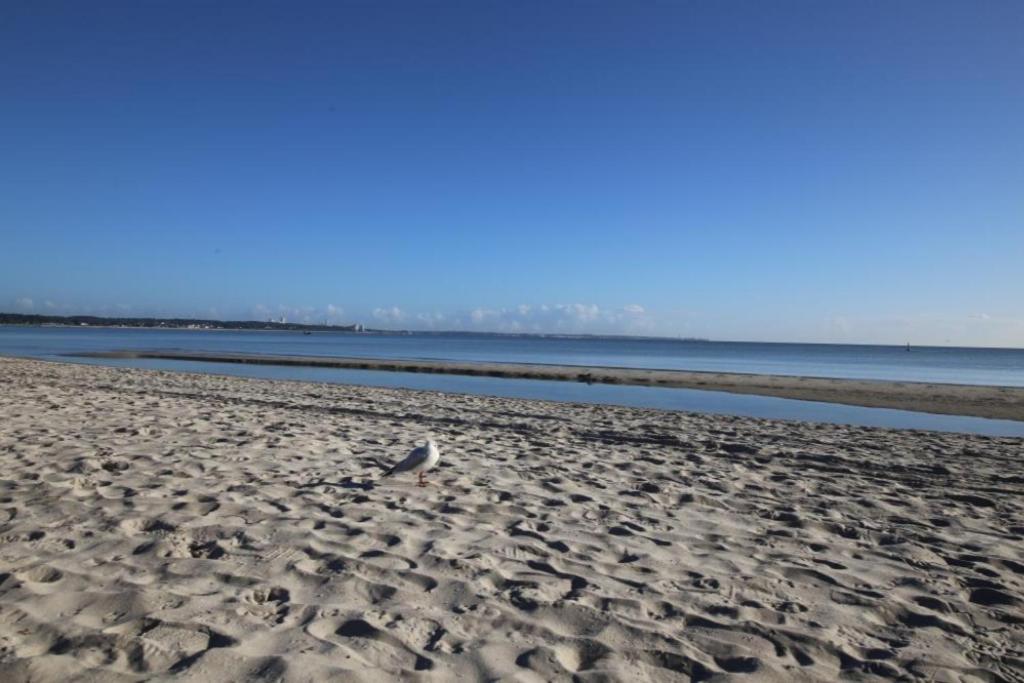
(82, 321)
(87, 321)
(102, 322)
(347, 329)
(1006, 403)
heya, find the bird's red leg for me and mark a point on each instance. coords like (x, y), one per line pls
(422, 481)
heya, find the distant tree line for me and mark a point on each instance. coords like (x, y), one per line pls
(99, 321)
(185, 323)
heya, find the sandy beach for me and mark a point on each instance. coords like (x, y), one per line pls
(161, 525)
(998, 402)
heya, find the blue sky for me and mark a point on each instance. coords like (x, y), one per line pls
(807, 171)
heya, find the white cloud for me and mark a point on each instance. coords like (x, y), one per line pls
(389, 315)
(291, 314)
(479, 315)
(333, 313)
(582, 312)
(431, 320)
(24, 303)
(572, 318)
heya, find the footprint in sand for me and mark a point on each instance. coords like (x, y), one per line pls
(562, 661)
(268, 604)
(375, 647)
(385, 560)
(41, 574)
(144, 525)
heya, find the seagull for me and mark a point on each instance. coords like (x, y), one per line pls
(421, 459)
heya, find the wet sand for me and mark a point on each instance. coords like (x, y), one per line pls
(1006, 403)
(169, 525)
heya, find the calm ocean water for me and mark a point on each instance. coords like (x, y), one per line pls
(1000, 367)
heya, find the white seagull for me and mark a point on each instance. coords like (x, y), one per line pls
(421, 459)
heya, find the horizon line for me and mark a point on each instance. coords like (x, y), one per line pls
(336, 327)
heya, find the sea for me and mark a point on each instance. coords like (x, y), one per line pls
(984, 366)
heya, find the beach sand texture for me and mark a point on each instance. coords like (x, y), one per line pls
(160, 525)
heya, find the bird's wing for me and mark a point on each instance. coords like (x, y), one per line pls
(417, 456)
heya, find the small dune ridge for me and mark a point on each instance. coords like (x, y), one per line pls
(162, 525)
